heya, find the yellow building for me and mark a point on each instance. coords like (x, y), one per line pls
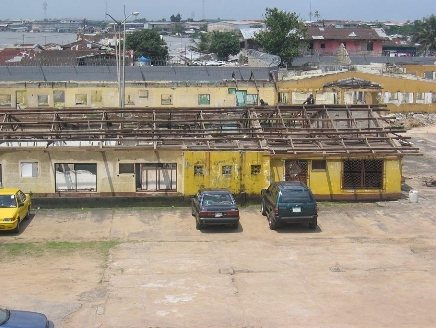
(341, 152)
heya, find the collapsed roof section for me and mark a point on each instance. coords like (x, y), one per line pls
(298, 130)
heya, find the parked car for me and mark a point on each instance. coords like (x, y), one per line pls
(14, 208)
(214, 207)
(23, 319)
(289, 202)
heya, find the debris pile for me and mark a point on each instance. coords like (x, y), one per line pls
(414, 120)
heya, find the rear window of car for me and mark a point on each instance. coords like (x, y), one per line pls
(295, 195)
(214, 199)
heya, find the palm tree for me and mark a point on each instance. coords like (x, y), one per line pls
(425, 34)
(317, 15)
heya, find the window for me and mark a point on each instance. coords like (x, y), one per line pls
(43, 100)
(126, 168)
(81, 99)
(204, 99)
(76, 177)
(156, 176)
(370, 46)
(227, 170)
(166, 99)
(420, 96)
(59, 96)
(5, 100)
(362, 174)
(29, 169)
(393, 96)
(319, 165)
(322, 45)
(231, 91)
(255, 169)
(198, 170)
(283, 97)
(251, 99)
(143, 93)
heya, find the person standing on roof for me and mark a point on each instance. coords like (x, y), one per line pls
(310, 100)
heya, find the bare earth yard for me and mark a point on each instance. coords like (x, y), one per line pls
(366, 265)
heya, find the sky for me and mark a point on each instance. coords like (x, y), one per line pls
(364, 10)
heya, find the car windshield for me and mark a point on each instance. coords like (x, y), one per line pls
(295, 196)
(7, 201)
(215, 199)
(4, 316)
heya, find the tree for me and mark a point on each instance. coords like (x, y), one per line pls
(284, 36)
(177, 18)
(317, 15)
(147, 43)
(224, 44)
(425, 34)
(201, 45)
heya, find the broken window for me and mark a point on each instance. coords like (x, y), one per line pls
(251, 99)
(5, 100)
(81, 99)
(362, 174)
(43, 100)
(76, 177)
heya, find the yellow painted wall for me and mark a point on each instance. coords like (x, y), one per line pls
(240, 178)
(388, 83)
(329, 182)
(100, 95)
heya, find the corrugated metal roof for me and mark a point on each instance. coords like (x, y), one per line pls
(133, 73)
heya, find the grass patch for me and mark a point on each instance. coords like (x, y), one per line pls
(8, 251)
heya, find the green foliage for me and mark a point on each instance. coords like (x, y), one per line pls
(177, 28)
(284, 36)
(406, 30)
(224, 44)
(425, 34)
(147, 43)
(201, 44)
(177, 18)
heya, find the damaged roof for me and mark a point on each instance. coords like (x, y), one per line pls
(297, 130)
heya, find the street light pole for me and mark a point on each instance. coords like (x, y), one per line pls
(120, 56)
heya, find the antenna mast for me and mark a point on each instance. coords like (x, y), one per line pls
(44, 6)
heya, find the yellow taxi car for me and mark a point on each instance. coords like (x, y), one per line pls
(14, 208)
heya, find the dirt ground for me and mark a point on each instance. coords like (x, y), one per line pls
(366, 265)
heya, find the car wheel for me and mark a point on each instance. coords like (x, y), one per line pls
(313, 224)
(28, 214)
(272, 221)
(262, 209)
(17, 228)
(198, 225)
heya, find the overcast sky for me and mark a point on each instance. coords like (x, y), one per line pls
(366, 10)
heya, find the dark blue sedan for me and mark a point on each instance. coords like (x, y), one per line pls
(23, 319)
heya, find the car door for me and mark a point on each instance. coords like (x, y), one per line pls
(22, 200)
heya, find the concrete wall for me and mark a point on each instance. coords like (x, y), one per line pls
(237, 171)
(102, 95)
(389, 84)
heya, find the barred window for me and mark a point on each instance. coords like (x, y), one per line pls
(198, 170)
(255, 169)
(362, 174)
(227, 170)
